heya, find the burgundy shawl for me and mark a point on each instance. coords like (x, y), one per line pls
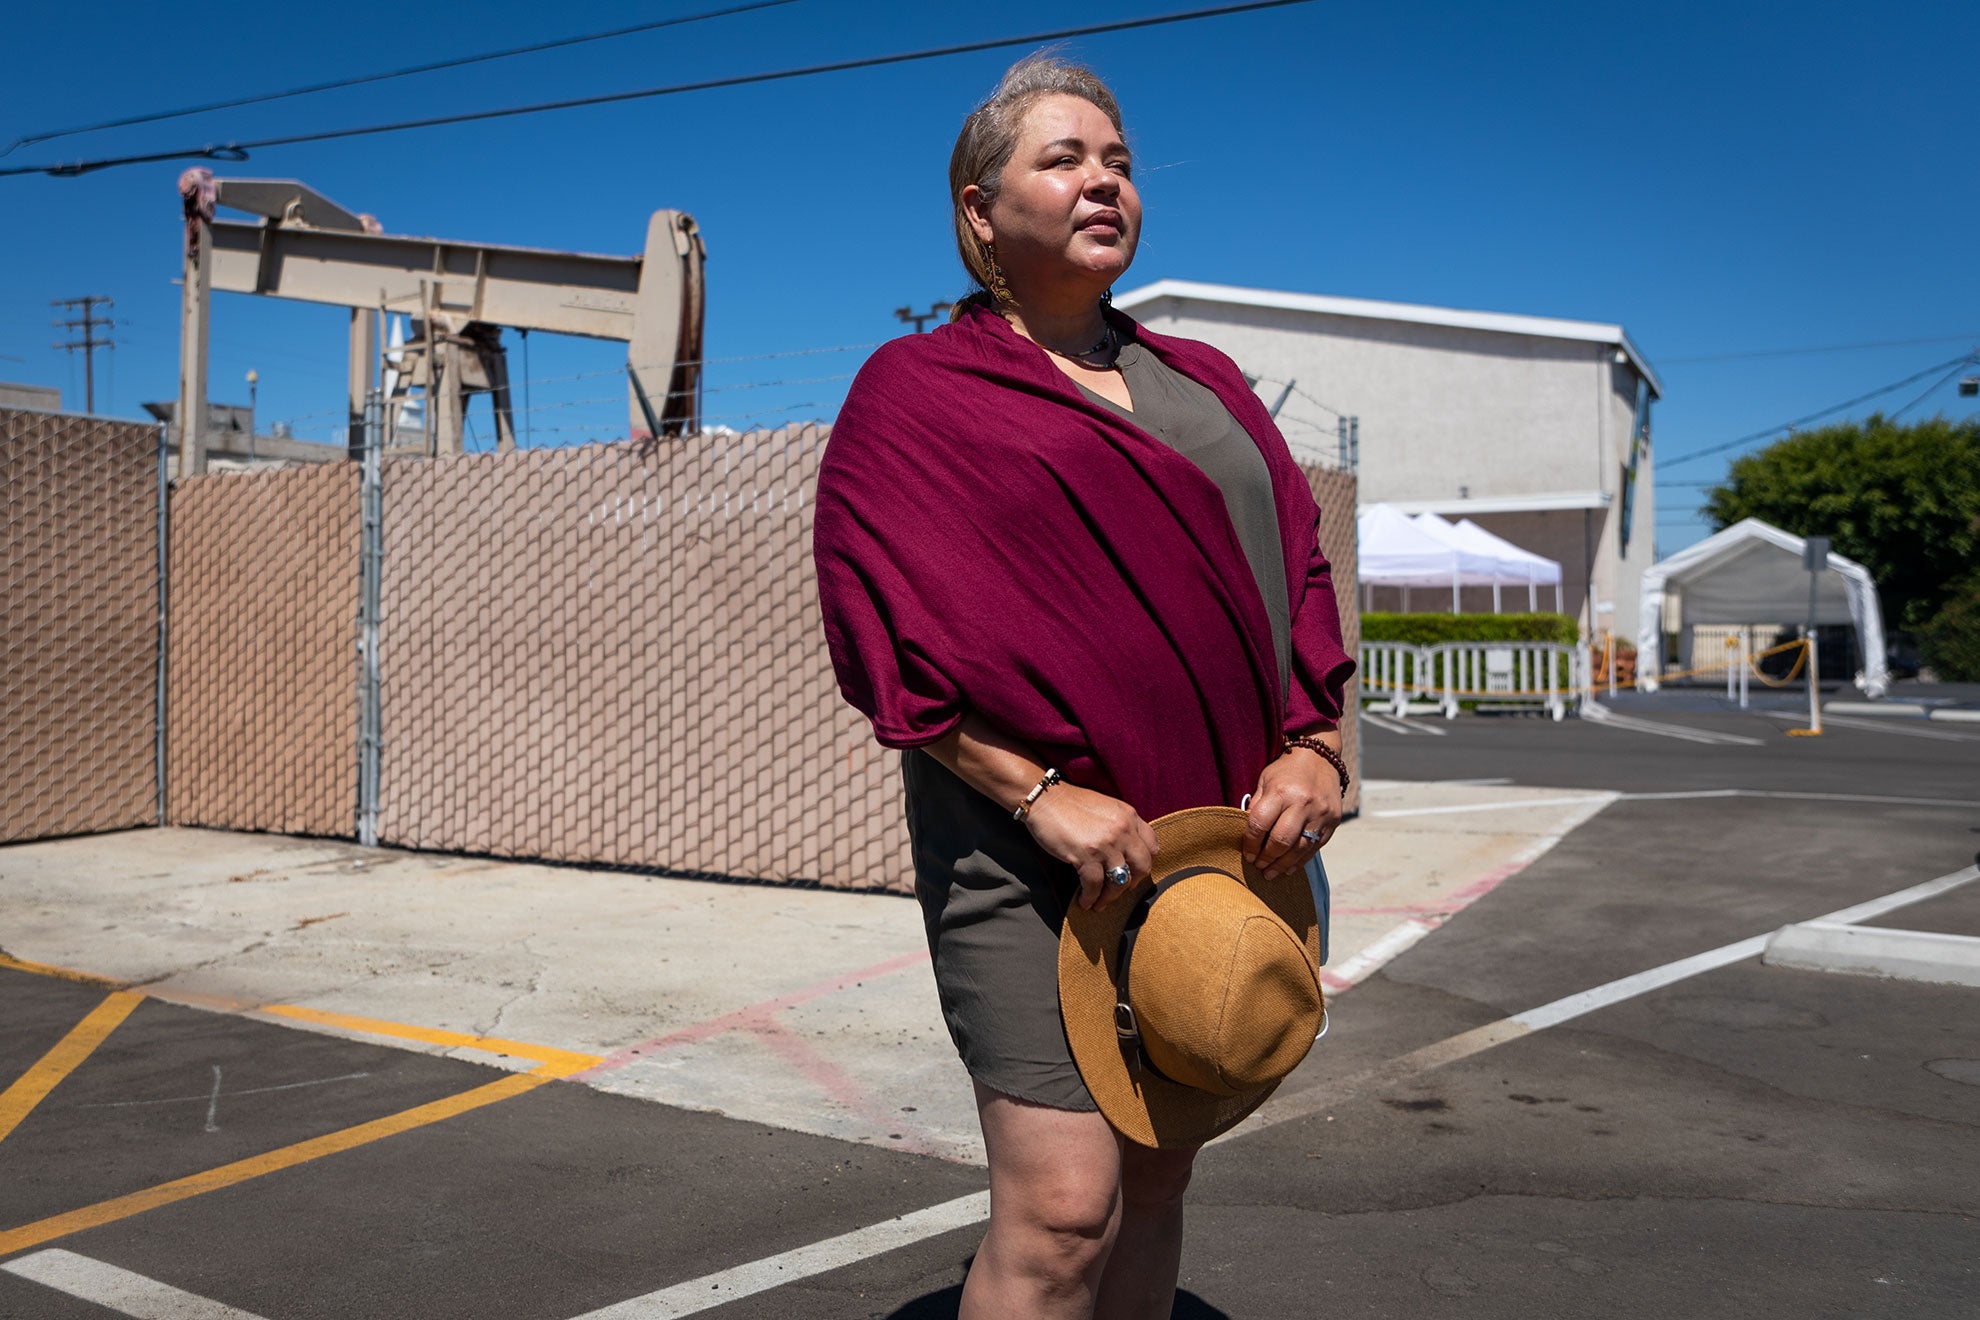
(989, 539)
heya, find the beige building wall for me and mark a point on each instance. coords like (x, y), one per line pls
(1451, 414)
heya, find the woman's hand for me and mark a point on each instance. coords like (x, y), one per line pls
(1092, 832)
(1294, 811)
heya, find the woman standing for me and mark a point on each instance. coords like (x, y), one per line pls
(1070, 567)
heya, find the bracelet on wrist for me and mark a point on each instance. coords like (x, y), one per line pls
(1313, 744)
(1037, 791)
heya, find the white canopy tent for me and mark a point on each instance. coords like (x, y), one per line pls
(1751, 573)
(1395, 552)
(1516, 566)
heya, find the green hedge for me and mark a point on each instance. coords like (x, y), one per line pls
(1429, 629)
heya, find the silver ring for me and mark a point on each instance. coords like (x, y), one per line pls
(1118, 875)
(1309, 836)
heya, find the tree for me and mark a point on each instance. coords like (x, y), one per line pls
(1903, 501)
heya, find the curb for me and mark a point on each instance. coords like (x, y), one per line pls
(1904, 710)
(1906, 955)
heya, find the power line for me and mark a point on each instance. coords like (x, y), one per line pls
(1955, 363)
(238, 151)
(1934, 386)
(1827, 348)
(361, 79)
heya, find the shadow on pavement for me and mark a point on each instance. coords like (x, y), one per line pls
(943, 1305)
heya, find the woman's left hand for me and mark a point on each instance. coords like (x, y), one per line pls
(1294, 811)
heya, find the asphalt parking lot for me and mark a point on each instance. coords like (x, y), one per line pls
(1743, 1140)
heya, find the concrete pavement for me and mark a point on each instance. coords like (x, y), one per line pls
(1582, 1093)
(805, 1009)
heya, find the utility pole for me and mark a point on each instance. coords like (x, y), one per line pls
(88, 323)
(919, 319)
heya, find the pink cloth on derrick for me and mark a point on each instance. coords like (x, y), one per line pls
(988, 539)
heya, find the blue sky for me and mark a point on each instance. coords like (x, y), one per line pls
(1721, 179)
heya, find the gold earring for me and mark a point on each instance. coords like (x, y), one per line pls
(1000, 291)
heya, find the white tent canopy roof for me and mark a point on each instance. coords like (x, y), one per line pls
(1751, 573)
(1516, 567)
(1395, 552)
(1425, 551)
(1546, 572)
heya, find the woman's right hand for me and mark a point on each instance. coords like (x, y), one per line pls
(1092, 832)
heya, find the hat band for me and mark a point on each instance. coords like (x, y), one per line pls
(1126, 1029)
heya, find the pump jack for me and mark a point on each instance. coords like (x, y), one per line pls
(458, 295)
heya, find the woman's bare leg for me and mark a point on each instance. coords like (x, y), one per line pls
(1055, 1184)
(1140, 1278)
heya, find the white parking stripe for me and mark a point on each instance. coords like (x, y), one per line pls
(1903, 728)
(1284, 1108)
(1629, 987)
(1600, 714)
(1566, 800)
(1788, 795)
(117, 1289)
(712, 1290)
(1394, 725)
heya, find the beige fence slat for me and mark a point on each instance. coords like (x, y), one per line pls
(1337, 491)
(614, 653)
(78, 624)
(261, 710)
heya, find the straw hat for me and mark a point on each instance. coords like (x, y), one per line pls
(1223, 996)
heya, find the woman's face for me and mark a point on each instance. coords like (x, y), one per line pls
(1067, 213)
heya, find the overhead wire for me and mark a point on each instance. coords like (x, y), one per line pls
(1935, 386)
(1956, 364)
(238, 151)
(157, 116)
(1826, 348)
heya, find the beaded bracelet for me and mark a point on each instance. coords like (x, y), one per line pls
(1313, 744)
(1037, 791)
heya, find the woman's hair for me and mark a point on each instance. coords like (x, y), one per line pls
(990, 135)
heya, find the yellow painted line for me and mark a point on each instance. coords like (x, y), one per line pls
(227, 1175)
(19, 1100)
(61, 973)
(564, 1062)
(556, 1062)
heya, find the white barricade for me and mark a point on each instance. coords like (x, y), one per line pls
(1493, 673)
(1395, 675)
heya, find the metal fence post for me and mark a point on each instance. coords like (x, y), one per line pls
(371, 558)
(164, 607)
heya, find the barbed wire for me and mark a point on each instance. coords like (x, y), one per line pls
(1293, 386)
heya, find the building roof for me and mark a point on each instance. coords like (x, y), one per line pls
(1506, 323)
(1546, 502)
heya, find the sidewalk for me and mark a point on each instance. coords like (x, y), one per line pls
(803, 1009)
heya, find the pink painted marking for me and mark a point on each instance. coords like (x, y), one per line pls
(1449, 905)
(833, 1081)
(753, 1017)
(1426, 916)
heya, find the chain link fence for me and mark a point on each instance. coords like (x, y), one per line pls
(601, 654)
(1336, 489)
(614, 654)
(79, 611)
(261, 687)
